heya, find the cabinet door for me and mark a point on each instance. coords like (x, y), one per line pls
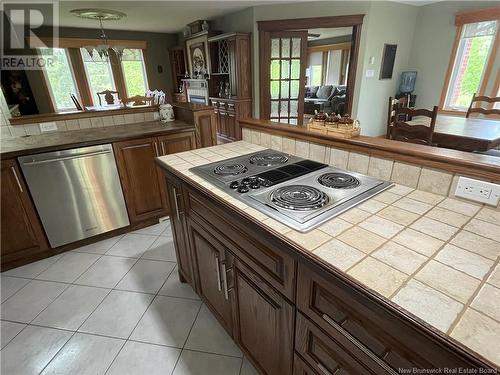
(212, 263)
(22, 235)
(172, 143)
(258, 305)
(140, 178)
(231, 126)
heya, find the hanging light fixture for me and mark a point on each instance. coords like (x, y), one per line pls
(101, 49)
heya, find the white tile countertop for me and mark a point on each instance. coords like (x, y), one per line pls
(435, 256)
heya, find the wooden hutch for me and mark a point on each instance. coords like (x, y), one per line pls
(179, 68)
(230, 65)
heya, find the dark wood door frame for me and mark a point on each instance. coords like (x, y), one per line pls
(266, 27)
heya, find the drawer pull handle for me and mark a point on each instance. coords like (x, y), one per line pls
(323, 369)
(163, 148)
(17, 179)
(156, 149)
(177, 211)
(224, 281)
(219, 286)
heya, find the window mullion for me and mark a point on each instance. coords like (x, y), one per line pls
(117, 70)
(79, 75)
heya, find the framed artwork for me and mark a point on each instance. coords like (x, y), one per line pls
(388, 58)
(17, 91)
(197, 51)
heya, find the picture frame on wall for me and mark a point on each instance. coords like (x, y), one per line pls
(197, 56)
(388, 59)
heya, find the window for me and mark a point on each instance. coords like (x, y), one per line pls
(470, 61)
(134, 72)
(60, 79)
(315, 71)
(99, 74)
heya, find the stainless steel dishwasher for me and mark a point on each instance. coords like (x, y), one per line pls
(77, 192)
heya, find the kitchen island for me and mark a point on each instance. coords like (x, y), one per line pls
(385, 286)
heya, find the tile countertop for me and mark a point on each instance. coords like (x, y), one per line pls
(32, 144)
(435, 256)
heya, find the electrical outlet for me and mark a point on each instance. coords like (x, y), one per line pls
(48, 127)
(479, 191)
(370, 73)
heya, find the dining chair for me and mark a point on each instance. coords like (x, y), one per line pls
(138, 100)
(418, 131)
(109, 97)
(492, 100)
(393, 104)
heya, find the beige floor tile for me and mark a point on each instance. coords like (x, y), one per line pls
(146, 276)
(69, 267)
(132, 245)
(99, 247)
(207, 335)
(412, 205)
(354, 215)
(309, 240)
(372, 206)
(426, 197)
(8, 331)
(197, 363)
(448, 217)
(11, 285)
(378, 276)
(381, 226)
(400, 189)
(465, 261)
(34, 269)
(106, 272)
(339, 254)
(247, 368)
(398, 215)
(460, 206)
(494, 278)
(174, 288)
(487, 301)
(418, 241)
(399, 257)
(434, 228)
(454, 283)
(387, 197)
(162, 249)
(137, 358)
(362, 239)
(85, 355)
(477, 244)
(335, 226)
(490, 215)
(480, 333)
(484, 229)
(24, 354)
(428, 304)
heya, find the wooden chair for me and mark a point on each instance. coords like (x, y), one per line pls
(108, 96)
(393, 105)
(401, 130)
(138, 100)
(484, 111)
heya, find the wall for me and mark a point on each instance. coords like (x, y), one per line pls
(432, 45)
(156, 54)
(333, 40)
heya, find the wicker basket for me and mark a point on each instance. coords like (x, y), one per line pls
(343, 131)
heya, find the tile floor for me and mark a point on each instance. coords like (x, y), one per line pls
(115, 307)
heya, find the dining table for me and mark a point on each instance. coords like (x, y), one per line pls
(464, 134)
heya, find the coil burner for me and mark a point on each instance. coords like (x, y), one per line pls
(268, 159)
(338, 180)
(299, 198)
(230, 169)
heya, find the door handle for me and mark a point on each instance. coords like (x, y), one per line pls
(219, 286)
(17, 179)
(177, 211)
(224, 281)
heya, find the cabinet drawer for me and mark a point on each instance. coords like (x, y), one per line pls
(301, 368)
(253, 245)
(332, 355)
(338, 307)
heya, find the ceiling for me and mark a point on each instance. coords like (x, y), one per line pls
(330, 32)
(155, 16)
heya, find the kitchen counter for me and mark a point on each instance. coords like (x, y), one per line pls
(435, 257)
(33, 144)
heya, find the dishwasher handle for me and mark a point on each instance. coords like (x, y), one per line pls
(76, 156)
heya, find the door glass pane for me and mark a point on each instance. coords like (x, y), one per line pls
(283, 108)
(294, 107)
(274, 108)
(285, 47)
(295, 73)
(294, 89)
(275, 48)
(275, 89)
(285, 69)
(295, 47)
(285, 90)
(293, 121)
(275, 69)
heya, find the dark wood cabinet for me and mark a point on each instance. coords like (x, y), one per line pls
(270, 347)
(142, 182)
(204, 120)
(178, 67)
(22, 236)
(143, 190)
(302, 368)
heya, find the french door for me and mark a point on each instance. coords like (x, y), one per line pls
(283, 73)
